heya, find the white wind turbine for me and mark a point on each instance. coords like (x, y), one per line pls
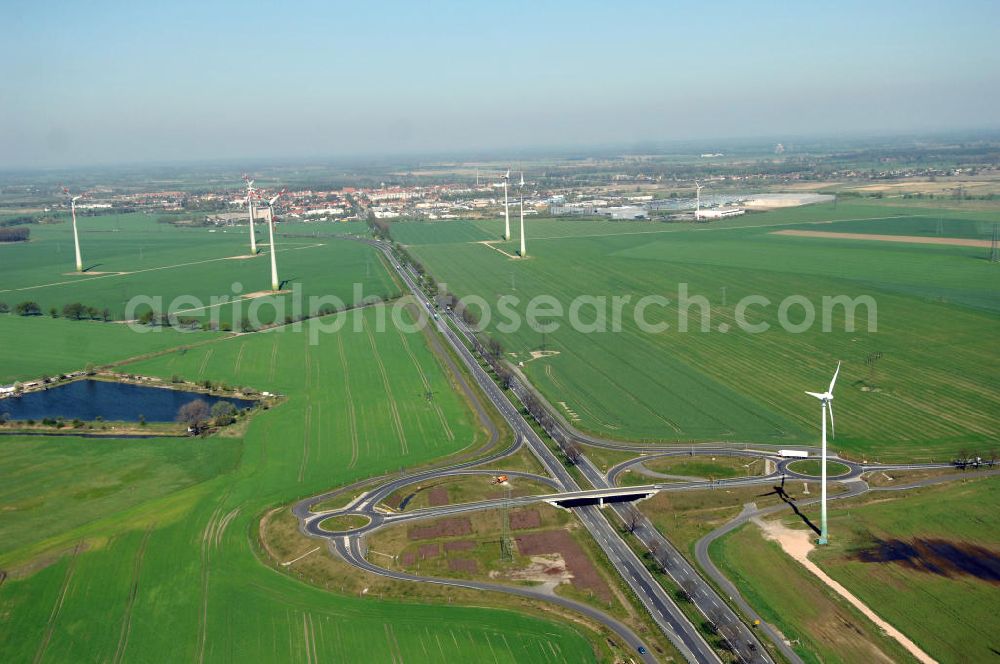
(520, 189)
(251, 194)
(270, 235)
(697, 205)
(825, 399)
(76, 237)
(506, 213)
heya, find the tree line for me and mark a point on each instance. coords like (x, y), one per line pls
(14, 234)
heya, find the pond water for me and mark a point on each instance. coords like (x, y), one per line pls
(88, 399)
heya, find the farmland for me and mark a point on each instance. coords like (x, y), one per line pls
(924, 560)
(931, 391)
(148, 550)
(131, 255)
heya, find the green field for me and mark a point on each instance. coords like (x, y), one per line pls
(934, 390)
(921, 560)
(161, 261)
(815, 468)
(820, 627)
(145, 550)
(37, 345)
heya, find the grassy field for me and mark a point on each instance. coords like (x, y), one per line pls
(933, 390)
(35, 345)
(821, 628)
(815, 468)
(133, 255)
(147, 550)
(707, 467)
(925, 560)
(928, 562)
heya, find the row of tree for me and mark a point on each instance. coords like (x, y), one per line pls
(14, 234)
(197, 415)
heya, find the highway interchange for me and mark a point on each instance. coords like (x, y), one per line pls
(744, 641)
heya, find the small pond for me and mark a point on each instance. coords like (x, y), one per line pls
(89, 399)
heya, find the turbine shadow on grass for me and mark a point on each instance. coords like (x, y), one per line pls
(781, 493)
(91, 267)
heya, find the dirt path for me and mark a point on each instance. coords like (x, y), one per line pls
(492, 245)
(911, 239)
(798, 544)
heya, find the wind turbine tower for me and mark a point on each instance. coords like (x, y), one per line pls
(506, 213)
(520, 189)
(76, 237)
(697, 204)
(251, 194)
(270, 235)
(826, 399)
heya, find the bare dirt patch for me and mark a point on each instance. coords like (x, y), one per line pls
(463, 565)
(429, 551)
(585, 575)
(539, 354)
(454, 527)
(438, 496)
(408, 558)
(911, 239)
(525, 519)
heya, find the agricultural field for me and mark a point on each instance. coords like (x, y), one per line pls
(925, 560)
(60, 346)
(149, 549)
(920, 385)
(131, 255)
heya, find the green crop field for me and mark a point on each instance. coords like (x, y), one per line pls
(132, 255)
(33, 346)
(926, 561)
(933, 390)
(145, 550)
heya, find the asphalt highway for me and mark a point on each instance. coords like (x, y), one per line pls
(661, 607)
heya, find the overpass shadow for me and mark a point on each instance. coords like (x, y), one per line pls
(610, 500)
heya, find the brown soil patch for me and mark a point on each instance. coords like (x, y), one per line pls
(911, 239)
(408, 558)
(463, 565)
(429, 551)
(524, 519)
(459, 545)
(438, 496)
(585, 574)
(454, 527)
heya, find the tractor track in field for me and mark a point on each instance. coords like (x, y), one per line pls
(274, 361)
(427, 386)
(352, 419)
(305, 441)
(239, 359)
(57, 607)
(204, 361)
(393, 409)
(126, 628)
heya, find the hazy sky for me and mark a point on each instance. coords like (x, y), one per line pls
(103, 82)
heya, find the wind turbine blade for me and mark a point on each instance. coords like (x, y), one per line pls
(833, 429)
(817, 395)
(835, 374)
